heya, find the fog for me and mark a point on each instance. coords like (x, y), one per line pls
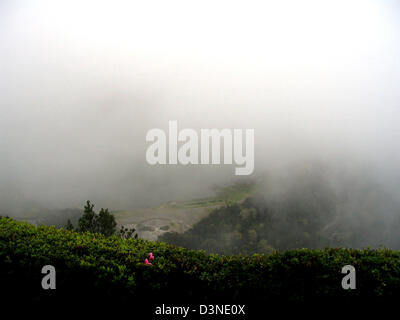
(82, 83)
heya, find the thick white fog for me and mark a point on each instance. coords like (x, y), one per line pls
(82, 82)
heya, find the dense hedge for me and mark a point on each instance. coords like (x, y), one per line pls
(111, 268)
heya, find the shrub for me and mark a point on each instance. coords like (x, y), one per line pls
(93, 266)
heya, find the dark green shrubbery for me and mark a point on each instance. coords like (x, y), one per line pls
(93, 266)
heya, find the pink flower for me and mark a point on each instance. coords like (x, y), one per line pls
(146, 262)
(151, 257)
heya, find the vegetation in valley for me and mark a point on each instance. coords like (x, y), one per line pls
(310, 211)
(251, 247)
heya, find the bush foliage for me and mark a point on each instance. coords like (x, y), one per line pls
(93, 265)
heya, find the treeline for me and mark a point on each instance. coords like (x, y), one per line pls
(102, 222)
(312, 210)
(247, 229)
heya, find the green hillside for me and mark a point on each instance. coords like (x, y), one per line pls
(180, 216)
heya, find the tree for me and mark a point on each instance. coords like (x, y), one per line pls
(103, 222)
(88, 220)
(69, 226)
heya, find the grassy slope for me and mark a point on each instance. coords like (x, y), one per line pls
(179, 216)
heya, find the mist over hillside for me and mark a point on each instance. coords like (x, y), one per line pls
(182, 158)
(310, 206)
(319, 85)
